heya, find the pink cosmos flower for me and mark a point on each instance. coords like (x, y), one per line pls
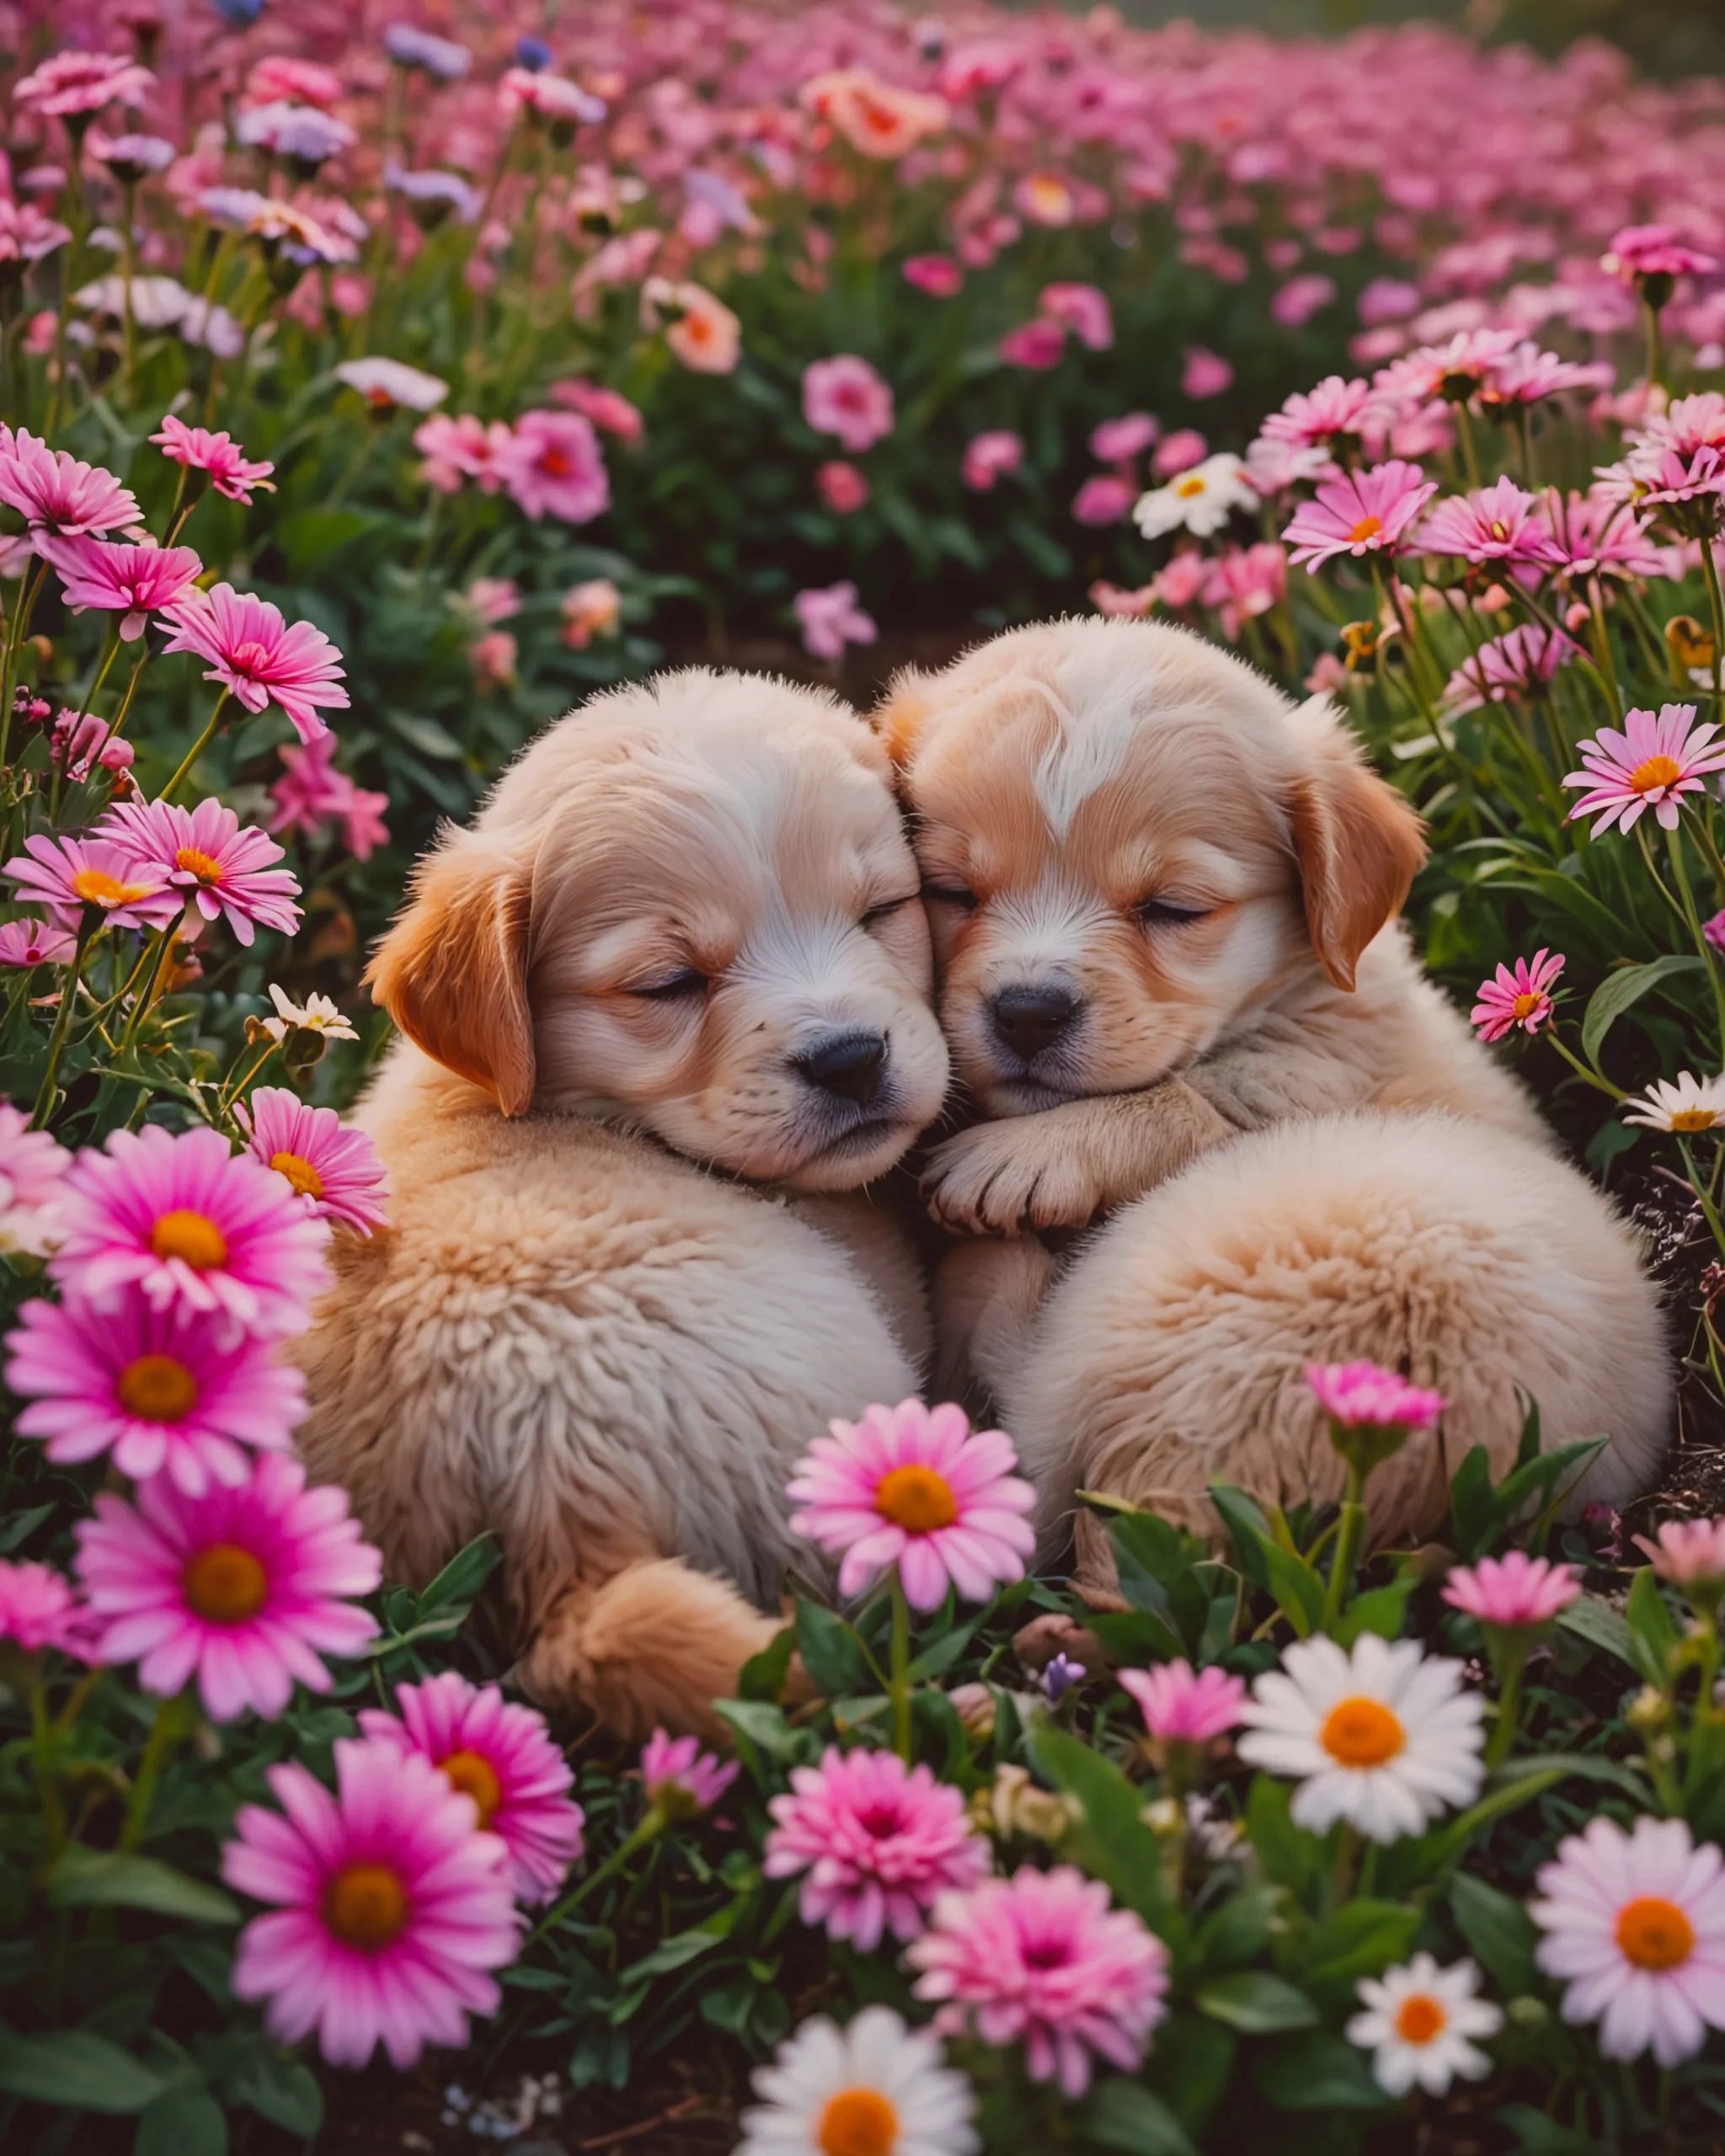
(847, 397)
(244, 1587)
(1501, 523)
(311, 790)
(1104, 499)
(1180, 1707)
(1178, 452)
(59, 497)
(34, 942)
(1082, 309)
(681, 1780)
(1634, 1926)
(1042, 1958)
(608, 409)
(1359, 513)
(72, 85)
(390, 1910)
(1245, 582)
(1038, 345)
(1638, 252)
(1452, 371)
(38, 1609)
(936, 275)
(1301, 298)
(830, 618)
(1528, 375)
(841, 487)
(1337, 409)
(1113, 599)
(1205, 374)
(461, 448)
(334, 1172)
(1592, 535)
(879, 1843)
(548, 96)
(493, 599)
(987, 456)
(134, 582)
(225, 871)
(187, 1224)
(914, 1487)
(1512, 1591)
(33, 1165)
(68, 874)
(553, 462)
(1363, 1395)
(1653, 763)
(157, 1390)
(231, 471)
(1513, 664)
(502, 1756)
(28, 234)
(1116, 441)
(258, 659)
(1690, 1553)
(279, 77)
(1521, 998)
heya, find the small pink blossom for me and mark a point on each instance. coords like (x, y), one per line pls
(311, 790)
(59, 497)
(1512, 1591)
(493, 599)
(1515, 665)
(608, 409)
(1104, 499)
(1638, 252)
(1116, 441)
(258, 658)
(680, 1779)
(1690, 1553)
(1205, 374)
(705, 336)
(988, 456)
(280, 77)
(38, 1609)
(830, 618)
(936, 275)
(1653, 763)
(841, 487)
(1178, 452)
(461, 448)
(1337, 411)
(1245, 582)
(1301, 298)
(1519, 998)
(847, 397)
(333, 1172)
(1038, 345)
(134, 582)
(231, 471)
(34, 942)
(32, 1167)
(1082, 309)
(1359, 513)
(553, 463)
(1113, 600)
(1185, 579)
(1180, 1707)
(72, 85)
(493, 657)
(1364, 1395)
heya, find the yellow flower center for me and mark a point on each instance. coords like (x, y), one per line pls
(224, 1584)
(364, 1905)
(192, 1237)
(1189, 486)
(1498, 531)
(1367, 528)
(857, 2123)
(300, 1172)
(476, 1778)
(1524, 1006)
(1419, 2018)
(1694, 1119)
(157, 1388)
(97, 887)
(1654, 1933)
(916, 1499)
(1655, 770)
(1361, 1732)
(198, 863)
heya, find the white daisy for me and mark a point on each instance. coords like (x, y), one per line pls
(1691, 1104)
(872, 2089)
(317, 1014)
(1202, 499)
(1383, 1738)
(1417, 2022)
(387, 383)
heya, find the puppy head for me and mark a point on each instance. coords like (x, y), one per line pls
(692, 905)
(1129, 841)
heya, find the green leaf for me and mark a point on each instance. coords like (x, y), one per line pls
(427, 736)
(1500, 1935)
(21, 1526)
(730, 2005)
(1473, 1509)
(310, 537)
(1296, 1587)
(673, 1953)
(1361, 1938)
(72, 2068)
(1601, 1626)
(1256, 2003)
(1653, 1634)
(763, 1676)
(761, 1728)
(1288, 1854)
(1247, 1529)
(1379, 1609)
(1123, 2114)
(1109, 1838)
(109, 1879)
(1191, 2065)
(1618, 991)
(463, 1576)
(183, 2120)
(1317, 2071)
(831, 1652)
(1541, 1476)
(1240, 1931)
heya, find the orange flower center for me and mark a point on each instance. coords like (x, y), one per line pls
(192, 1237)
(1189, 486)
(224, 1584)
(157, 1388)
(364, 1905)
(97, 887)
(1524, 1006)
(476, 1778)
(300, 1172)
(1419, 2018)
(199, 864)
(1498, 530)
(857, 2123)
(1655, 770)
(1654, 1933)
(916, 1499)
(1694, 1119)
(1367, 528)
(1361, 1732)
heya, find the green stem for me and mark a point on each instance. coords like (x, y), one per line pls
(1656, 346)
(1349, 1536)
(89, 927)
(650, 1829)
(1700, 1769)
(1503, 1736)
(28, 588)
(1602, 650)
(146, 997)
(1599, 1084)
(1470, 455)
(174, 1719)
(898, 1680)
(197, 748)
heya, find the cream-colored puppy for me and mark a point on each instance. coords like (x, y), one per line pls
(1163, 904)
(682, 937)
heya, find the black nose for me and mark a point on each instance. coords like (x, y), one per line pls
(850, 1065)
(1028, 1020)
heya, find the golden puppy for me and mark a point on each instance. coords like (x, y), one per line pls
(1163, 905)
(683, 937)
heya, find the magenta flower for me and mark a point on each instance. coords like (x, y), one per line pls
(914, 1487)
(32, 1166)
(1245, 582)
(1515, 665)
(830, 618)
(936, 275)
(1521, 998)
(159, 1390)
(1503, 524)
(609, 409)
(1104, 499)
(134, 582)
(335, 1172)
(231, 471)
(1653, 763)
(847, 397)
(185, 1222)
(1180, 1706)
(1512, 1591)
(1115, 441)
(1037, 345)
(390, 1910)
(1081, 308)
(1205, 374)
(1364, 1395)
(243, 1587)
(1690, 1553)
(1301, 298)
(225, 871)
(311, 790)
(68, 874)
(1638, 252)
(502, 1756)
(988, 456)
(34, 942)
(878, 1841)
(258, 659)
(841, 487)
(681, 1780)
(1041, 1958)
(59, 497)
(553, 463)
(72, 85)
(1178, 452)
(1359, 513)
(38, 1609)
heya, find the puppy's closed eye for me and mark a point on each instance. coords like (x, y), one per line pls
(951, 895)
(1169, 913)
(684, 984)
(873, 916)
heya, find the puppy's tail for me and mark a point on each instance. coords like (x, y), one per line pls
(652, 1646)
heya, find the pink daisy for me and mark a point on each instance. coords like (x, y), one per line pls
(878, 1841)
(1513, 664)
(1180, 1706)
(830, 618)
(225, 871)
(1116, 441)
(334, 1172)
(1690, 1553)
(243, 1587)
(989, 456)
(1337, 410)
(552, 462)
(188, 1223)
(391, 1909)
(502, 1756)
(1502, 524)
(39, 1609)
(1359, 513)
(847, 397)
(72, 85)
(682, 1781)
(1512, 1591)
(1653, 763)
(1634, 1926)
(1594, 536)
(173, 1389)
(258, 658)
(1104, 499)
(1639, 252)
(133, 582)
(231, 471)
(32, 1166)
(1530, 376)
(1452, 371)
(914, 1486)
(68, 874)
(59, 497)
(1081, 308)
(1042, 1958)
(1364, 1395)
(1521, 998)
(460, 448)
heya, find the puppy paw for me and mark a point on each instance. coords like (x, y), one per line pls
(1006, 1179)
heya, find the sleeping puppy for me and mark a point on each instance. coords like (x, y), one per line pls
(677, 969)
(1163, 904)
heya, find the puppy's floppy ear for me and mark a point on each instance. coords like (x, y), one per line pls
(453, 972)
(898, 719)
(1358, 842)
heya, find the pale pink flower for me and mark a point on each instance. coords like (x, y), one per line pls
(1042, 1958)
(1594, 536)
(1521, 998)
(1515, 665)
(1359, 513)
(841, 487)
(1690, 1553)
(311, 790)
(847, 397)
(494, 659)
(1528, 375)
(936, 275)
(1105, 498)
(225, 873)
(1038, 345)
(493, 599)
(914, 1487)
(72, 85)
(32, 1167)
(1245, 582)
(1338, 410)
(1182, 1707)
(460, 448)
(1502, 524)
(258, 658)
(34, 942)
(29, 234)
(1178, 452)
(1082, 309)
(1512, 1591)
(334, 1172)
(1452, 371)
(502, 1756)
(1046, 200)
(608, 409)
(874, 117)
(590, 609)
(231, 471)
(134, 582)
(1204, 374)
(988, 456)
(1116, 441)
(1184, 579)
(1635, 1926)
(680, 1779)
(1653, 763)
(878, 1842)
(244, 1587)
(1638, 252)
(548, 96)
(706, 336)
(68, 875)
(1365, 1395)
(1713, 928)
(279, 76)
(553, 463)
(392, 1910)
(1111, 599)
(38, 1609)
(1301, 298)
(830, 618)
(59, 497)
